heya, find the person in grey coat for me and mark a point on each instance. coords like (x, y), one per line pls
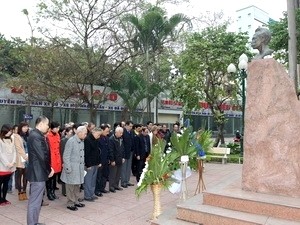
(73, 168)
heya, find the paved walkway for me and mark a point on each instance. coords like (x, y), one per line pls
(120, 208)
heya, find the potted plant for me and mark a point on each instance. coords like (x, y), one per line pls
(156, 175)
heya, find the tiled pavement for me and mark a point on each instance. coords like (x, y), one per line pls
(120, 208)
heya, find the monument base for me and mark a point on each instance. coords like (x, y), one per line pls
(231, 205)
(272, 118)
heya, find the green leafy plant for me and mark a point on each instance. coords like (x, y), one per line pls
(185, 144)
(182, 143)
(205, 140)
(202, 137)
(157, 169)
(160, 166)
(234, 148)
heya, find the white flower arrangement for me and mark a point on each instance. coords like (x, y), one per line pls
(145, 170)
(157, 169)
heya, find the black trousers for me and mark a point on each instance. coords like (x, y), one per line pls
(51, 183)
(102, 177)
(141, 166)
(20, 179)
(4, 187)
(114, 176)
(134, 165)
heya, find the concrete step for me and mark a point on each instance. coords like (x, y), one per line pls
(168, 217)
(235, 198)
(193, 210)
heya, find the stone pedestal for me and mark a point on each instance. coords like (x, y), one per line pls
(269, 192)
(272, 123)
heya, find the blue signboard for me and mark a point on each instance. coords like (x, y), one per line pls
(28, 116)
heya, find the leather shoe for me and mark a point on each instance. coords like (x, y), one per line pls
(89, 199)
(79, 205)
(124, 186)
(118, 188)
(73, 208)
(99, 194)
(44, 203)
(54, 195)
(50, 197)
(130, 184)
(104, 191)
(112, 190)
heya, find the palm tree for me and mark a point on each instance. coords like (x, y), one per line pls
(131, 88)
(153, 31)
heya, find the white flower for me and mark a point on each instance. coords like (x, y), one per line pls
(142, 177)
(139, 183)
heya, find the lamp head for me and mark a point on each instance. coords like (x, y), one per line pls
(243, 65)
(243, 57)
(231, 68)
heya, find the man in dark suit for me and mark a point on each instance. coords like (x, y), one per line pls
(136, 130)
(92, 161)
(128, 147)
(103, 171)
(142, 151)
(39, 169)
(117, 158)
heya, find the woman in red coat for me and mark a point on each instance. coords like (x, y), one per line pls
(53, 139)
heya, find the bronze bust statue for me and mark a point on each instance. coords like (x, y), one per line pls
(260, 41)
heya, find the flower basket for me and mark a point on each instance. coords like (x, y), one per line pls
(156, 175)
(156, 190)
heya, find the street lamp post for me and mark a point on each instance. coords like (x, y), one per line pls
(243, 63)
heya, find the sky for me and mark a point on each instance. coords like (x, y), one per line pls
(14, 23)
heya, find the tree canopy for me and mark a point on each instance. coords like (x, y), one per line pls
(280, 37)
(203, 71)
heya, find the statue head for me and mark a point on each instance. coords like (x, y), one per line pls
(262, 36)
(260, 41)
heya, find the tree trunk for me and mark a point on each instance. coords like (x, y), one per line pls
(292, 5)
(125, 114)
(220, 136)
(148, 84)
(93, 114)
(52, 112)
(93, 110)
(156, 110)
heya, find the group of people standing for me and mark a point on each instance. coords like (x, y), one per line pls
(13, 159)
(79, 156)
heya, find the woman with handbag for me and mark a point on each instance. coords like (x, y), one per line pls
(7, 161)
(21, 160)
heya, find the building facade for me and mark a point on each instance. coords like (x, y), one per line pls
(14, 108)
(250, 18)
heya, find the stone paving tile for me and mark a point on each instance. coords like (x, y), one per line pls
(120, 208)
